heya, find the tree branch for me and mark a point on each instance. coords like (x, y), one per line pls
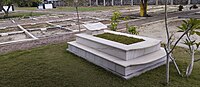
(179, 39)
(197, 60)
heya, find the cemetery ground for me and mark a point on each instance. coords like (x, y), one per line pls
(52, 65)
(82, 9)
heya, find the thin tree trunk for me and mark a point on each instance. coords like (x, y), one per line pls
(168, 45)
(190, 67)
(145, 7)
(1, 7)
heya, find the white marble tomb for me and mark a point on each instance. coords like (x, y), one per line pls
(124, 60)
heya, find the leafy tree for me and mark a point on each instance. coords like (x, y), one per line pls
(27, 3)
(9, 3)
(193, 25)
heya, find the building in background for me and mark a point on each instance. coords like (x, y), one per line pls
(55, 2)
(116, 2)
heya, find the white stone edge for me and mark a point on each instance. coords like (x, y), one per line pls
(132, 62)
(149, 42)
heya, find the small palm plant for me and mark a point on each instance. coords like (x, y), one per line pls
(132, 29)
(193, 25)
(115, 20)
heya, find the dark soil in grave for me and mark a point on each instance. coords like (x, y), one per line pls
(49, 32)
(10, 29)
(119, 38)
(105, 21)
(40, 25)
(67, 22)
(13, 37)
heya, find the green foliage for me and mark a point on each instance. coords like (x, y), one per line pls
(115, 17)
(20, 3)
(7, 2)
(28, 3)
(194, 26)
(113, 26)
(132, 29)
(115, 20)
(119, 38)
(53, 66)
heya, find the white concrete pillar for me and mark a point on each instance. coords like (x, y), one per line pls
(189, 2)
(104, 2)
(112, 2)
(131, 2)
(172, 2)
(156, 2)
(97, 2)
(90, 2)
(121, 2)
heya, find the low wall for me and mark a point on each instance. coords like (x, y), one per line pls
(5, 48)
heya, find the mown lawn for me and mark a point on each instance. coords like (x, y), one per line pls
(53, 66)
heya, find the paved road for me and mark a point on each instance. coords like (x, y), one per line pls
(156, 17)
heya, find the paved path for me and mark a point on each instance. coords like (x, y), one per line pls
(156, 17)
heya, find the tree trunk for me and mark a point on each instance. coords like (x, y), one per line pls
(143, 8)
(1, 7)
(190, 67)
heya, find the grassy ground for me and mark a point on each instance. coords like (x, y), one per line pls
(119, 38)
(82, 9)
(53, 66)
(21, 15)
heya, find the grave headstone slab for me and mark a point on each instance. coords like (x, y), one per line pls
(40, 7)
(95, 28)
(48, 6)
(10, 9)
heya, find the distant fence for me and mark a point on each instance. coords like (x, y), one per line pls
(128, 2)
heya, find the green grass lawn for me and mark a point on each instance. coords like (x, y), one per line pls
(119, 38)
(21, 15)
(53, 66)
(82, 9)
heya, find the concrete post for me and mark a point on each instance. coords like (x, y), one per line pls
(112, 2)
(189, 2)
(97, 3)
(104, 2)
(131, 2)
(172, 2)
(156, 2)
(90, 2)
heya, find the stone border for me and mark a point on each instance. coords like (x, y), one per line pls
(24, 45)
